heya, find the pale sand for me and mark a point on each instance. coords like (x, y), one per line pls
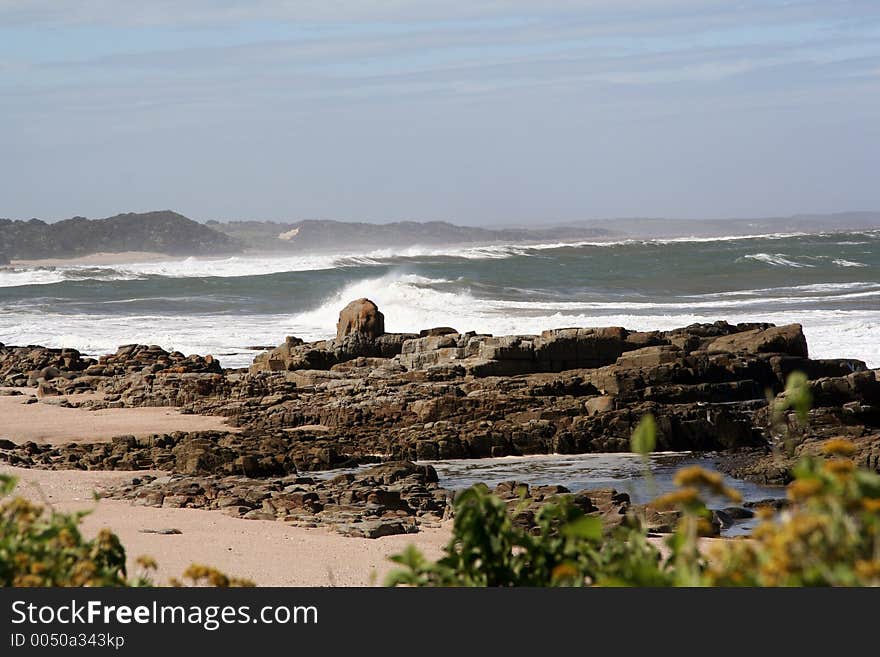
(125, 257)
(46, 422)
(269, 553)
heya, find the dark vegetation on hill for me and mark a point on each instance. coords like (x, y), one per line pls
(163, 232)
(334, 235)
(174, 234)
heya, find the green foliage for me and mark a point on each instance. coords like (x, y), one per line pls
(7, 484)
(488, 549)
(796, 397)
(39, 548)
(644, 437)
(829, 534)
(42, 547)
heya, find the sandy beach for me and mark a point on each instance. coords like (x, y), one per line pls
(48, 422)
(267, 552)
(97, 259)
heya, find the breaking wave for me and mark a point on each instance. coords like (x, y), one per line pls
(829, 283)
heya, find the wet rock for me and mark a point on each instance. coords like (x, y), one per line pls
(777, 504)
(738, 513)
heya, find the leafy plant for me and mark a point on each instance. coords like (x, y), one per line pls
(828, 535)
(43, 547)
(488, 549)
(796, 397)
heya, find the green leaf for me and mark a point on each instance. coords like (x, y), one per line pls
(797, 389)
(869, 483)
(7, 484)
(644, 438)
(588, 528)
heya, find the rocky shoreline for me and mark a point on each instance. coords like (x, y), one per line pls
(368, 396)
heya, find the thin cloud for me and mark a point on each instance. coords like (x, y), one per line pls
(304, 98)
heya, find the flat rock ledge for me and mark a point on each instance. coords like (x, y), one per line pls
(391, 498)
(368, 396)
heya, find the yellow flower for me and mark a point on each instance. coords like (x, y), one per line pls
(839, 467)
(871, 504)
(677, 498)
(732, 494)
(83, 572)
(694, 475)
(801, 489)
(764, 532)
(564, 571)
(839, 447)
(27, 580)
(66, 538)
(802, 525)
(868, 569)
(765, 512)
(147, 563)
(705, 528)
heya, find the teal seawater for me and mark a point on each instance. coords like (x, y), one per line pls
(829, 282)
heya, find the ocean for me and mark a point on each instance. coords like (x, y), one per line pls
(829, 282)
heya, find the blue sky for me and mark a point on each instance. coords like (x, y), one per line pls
(491, 112)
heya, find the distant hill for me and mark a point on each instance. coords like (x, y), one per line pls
(162, 232)
(172, 233)
(323, 235)
(807, 223)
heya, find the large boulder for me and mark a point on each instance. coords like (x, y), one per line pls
(360, 317)
(788, 339)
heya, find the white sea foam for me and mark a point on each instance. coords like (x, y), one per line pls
(820, 288)
(840, 262)
(193, 267)
(831, 334)
(775, 259)
(412, 302)
(15, 277)
(259, 265)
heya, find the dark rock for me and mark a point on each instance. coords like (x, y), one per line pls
(775, 503)
(438, 330)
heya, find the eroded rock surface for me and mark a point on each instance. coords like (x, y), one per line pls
(370, 396)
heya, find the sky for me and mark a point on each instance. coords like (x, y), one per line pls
(474, 112)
